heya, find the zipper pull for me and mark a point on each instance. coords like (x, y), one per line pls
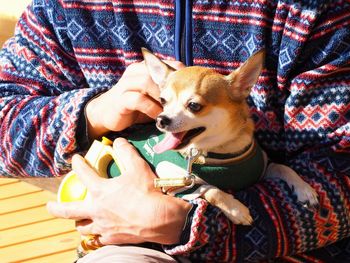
(191, 158)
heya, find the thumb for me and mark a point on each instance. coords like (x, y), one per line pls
(130, 159)
(136, 101)
(86, 174)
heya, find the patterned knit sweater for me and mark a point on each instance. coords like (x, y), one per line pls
(67, 51)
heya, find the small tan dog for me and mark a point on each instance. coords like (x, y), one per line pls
(207, 111)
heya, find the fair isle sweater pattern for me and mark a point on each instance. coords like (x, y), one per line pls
(66, 52)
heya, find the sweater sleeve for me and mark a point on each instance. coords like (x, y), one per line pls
(42, 96)
(316, 144)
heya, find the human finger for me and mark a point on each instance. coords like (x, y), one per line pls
(86, 173)
(85, 227)
(143, 119)
(119, 239)
(153, 91)
(136, 101)
(175, 64)
(138, 74)
(141, 68)
(128, 156)
(70, 210)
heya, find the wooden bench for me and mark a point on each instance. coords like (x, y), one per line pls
(28, 233)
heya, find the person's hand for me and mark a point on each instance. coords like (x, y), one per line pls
(124, 209)
(134, 99)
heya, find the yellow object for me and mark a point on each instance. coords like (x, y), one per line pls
(99, 156)
(71, 189)
(106, 141)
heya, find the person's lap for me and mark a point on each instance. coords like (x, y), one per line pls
(127, 254)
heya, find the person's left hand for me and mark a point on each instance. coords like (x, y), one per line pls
(134, 99)
(124, 209)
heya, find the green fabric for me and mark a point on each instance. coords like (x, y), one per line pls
(234, 177)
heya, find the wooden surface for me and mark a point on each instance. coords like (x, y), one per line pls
(51, 183)
(9, 14)
(28, 233)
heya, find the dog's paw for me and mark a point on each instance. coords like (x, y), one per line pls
(241, 218)
(306, 195)
(238, 213)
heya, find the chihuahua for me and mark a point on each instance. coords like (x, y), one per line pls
(207, 111)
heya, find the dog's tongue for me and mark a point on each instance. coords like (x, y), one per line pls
(170, 141)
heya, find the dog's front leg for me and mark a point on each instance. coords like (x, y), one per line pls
(237, 212)
(305, 193)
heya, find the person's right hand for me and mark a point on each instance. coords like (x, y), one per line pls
(127, 209)
(134, 99)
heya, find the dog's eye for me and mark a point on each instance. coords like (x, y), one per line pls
(194, 107)
(162, 101)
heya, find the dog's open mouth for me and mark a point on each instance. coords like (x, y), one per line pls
(175, 141)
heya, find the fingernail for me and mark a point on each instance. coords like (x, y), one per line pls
(120, 142)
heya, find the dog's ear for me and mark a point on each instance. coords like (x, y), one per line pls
(243, 79)
(158, 70)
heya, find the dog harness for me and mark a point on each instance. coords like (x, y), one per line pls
(224, 171)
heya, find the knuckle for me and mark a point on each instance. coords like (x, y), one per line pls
(139, 98)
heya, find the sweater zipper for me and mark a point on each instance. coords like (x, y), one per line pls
(183, 31)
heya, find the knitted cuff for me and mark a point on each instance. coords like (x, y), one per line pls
(190, 239)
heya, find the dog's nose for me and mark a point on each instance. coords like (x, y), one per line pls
(163, 121)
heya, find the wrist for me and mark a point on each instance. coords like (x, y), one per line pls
(175, 220)
(193, 235)
(186, 230)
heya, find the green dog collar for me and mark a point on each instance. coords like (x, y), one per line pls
(232, 173)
